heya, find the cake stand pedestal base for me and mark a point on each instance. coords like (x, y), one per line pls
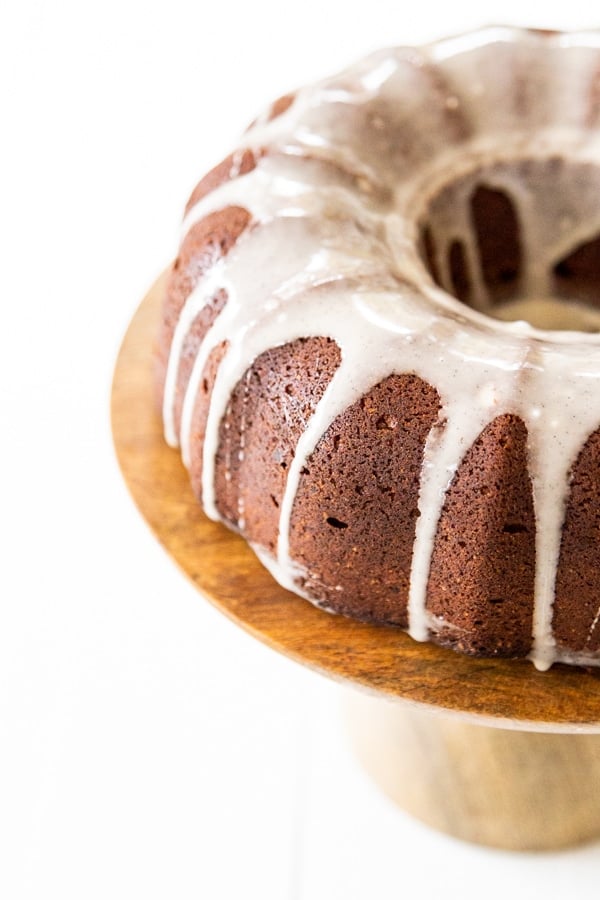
(488, 750)
(515, 790)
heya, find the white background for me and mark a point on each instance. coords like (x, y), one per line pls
(147, 747)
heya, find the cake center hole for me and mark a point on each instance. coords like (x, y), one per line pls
(520, 240)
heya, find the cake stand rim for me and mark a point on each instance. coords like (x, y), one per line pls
(382, 661)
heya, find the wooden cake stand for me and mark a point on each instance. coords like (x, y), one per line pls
(490, 751)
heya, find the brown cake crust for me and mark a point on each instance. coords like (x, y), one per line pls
(200, 416)
(281, 105)
(353, 522)
(268, 412)
(577, 601)
(481, 581)
(233, 166)
(499, 240)
(203, 321)
(578, 274)
(206, 242)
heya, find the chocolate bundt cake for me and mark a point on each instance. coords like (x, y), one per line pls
(380, 349)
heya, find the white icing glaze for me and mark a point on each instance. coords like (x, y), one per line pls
(332, 251)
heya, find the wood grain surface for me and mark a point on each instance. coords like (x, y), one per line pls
(493, 786)
(379, 659)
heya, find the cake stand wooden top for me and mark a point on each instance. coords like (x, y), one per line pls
(224, 569)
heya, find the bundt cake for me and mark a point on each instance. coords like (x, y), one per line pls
(380, 347)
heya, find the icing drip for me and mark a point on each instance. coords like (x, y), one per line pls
(558, 424)
(332, 251)
(198, 299)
